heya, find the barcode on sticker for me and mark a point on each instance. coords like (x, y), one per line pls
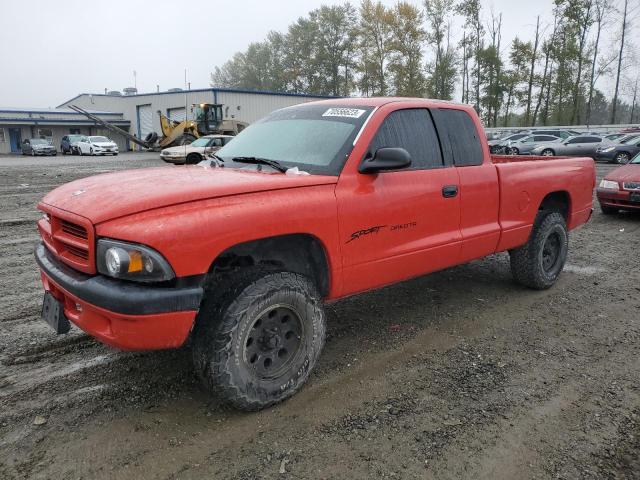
(344, 112)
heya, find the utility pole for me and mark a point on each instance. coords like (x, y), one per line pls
(617, 90)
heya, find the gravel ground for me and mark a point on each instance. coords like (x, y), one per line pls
(460, 374)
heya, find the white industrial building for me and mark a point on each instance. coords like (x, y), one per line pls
(142, 109)
(135, 113)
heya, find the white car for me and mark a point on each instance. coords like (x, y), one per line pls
(95, 145)
(196, 151)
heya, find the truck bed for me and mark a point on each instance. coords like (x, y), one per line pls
(525, 181)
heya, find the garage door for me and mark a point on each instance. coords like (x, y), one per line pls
(177, 114)
(145, 120)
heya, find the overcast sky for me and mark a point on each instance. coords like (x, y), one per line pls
(54, 50)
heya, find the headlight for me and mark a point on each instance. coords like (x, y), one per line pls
(608, 149)
(608, 184)
(129, 261)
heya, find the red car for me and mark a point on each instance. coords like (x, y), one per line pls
(620, 189)
(313, 203)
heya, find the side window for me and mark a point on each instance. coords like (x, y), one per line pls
(577, 140)
(464, 140)
(413, 130)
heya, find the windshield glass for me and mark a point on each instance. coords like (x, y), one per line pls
(315, 138)
(201, 142)
(99, 139)
(39, 141)
(636, 159)
(75, 138)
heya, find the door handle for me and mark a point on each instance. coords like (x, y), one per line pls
(449, 191)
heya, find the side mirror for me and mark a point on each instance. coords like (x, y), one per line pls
(386, 159)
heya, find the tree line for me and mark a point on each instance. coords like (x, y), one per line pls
(551, 78)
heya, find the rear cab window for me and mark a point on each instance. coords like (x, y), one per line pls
(461, 137)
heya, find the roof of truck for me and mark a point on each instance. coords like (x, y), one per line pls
(380, 101)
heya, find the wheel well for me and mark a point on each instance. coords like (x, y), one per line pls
(298, 253)
(557, 202)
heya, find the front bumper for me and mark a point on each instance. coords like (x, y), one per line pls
(605, 156)
(44, 152)
(616, 199)
(121, 314)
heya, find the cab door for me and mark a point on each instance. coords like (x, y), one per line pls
(399, 224)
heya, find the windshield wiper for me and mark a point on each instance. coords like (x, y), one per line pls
(261, 161)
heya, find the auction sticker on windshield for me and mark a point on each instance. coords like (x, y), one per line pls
(344, 112)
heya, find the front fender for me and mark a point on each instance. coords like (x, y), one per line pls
(191, 235)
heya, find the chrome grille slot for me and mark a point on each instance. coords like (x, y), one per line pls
(631, 185)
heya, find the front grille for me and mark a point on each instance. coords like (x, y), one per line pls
(631, 185)
(69, 241)
(73, 229)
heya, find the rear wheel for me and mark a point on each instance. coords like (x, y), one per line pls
(514, 151)
(538, 263)
(547, 152)
(257, 341)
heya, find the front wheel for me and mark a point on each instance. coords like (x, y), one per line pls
(193, 158)
(538, 263)
(514, 151)
(256, 342)
(547, 152)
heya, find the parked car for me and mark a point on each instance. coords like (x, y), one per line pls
(196, 151)
(528, 143)
(580, 146)
(316, 202)
(37, 146)
(96, 145)
(67, 143)
(619, 152)
(620, 188)
(500, 145)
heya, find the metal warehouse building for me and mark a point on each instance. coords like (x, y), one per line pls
(16, 125)
(135, 113)
(142, 109)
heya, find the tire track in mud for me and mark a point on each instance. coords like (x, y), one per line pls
(464, 366)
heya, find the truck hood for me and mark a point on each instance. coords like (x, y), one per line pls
(112, 195)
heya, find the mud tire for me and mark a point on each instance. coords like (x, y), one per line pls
(230, 309)
(528, 262)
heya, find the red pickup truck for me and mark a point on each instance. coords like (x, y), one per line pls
(309, 205)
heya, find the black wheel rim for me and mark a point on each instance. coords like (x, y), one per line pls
(551, 252)
(274, 342)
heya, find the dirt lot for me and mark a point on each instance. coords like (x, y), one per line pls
(461, 374)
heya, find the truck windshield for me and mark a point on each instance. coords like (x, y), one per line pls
(315, 138)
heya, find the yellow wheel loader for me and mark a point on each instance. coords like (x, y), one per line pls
(207, 120)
